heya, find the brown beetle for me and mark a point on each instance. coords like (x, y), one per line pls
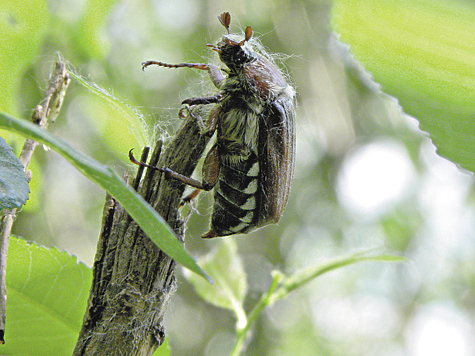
(251, 164)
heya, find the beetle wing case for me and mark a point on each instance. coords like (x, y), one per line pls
(278, 140)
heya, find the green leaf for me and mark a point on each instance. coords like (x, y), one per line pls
(422, 52)
(47, 296)
(225, 267)
(23, 25)
(13, 183)
(147, 218)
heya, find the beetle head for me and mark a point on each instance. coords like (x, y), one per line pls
(233, 53)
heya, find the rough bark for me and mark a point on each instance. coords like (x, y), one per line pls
(132, 279)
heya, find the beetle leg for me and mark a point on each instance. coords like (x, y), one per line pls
(184, 179)
(189, 197)
(212, 121)
(214, 72)
(180, 65)
(203, 101)
(216, 75)
(210, 174)
(198, 119)
(211, 168)
(170, 173)
(210, 171)
(207, 128)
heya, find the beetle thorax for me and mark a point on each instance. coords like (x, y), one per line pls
(238, 131)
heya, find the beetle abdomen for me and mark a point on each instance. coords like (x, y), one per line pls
(236, 196)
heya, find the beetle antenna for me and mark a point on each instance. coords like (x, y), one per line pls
(225, 19)
(247, 35)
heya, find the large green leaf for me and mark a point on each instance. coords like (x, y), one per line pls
(47, 296)
(13, 183)
(148, 219)
(423, 53)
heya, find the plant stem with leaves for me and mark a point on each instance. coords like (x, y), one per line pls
(281, 286)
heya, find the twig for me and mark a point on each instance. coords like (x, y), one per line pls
(46, 111)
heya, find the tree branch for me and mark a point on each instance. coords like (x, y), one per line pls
(132, 279)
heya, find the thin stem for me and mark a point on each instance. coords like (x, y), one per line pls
(46, 111)
(241, 333)
(6, 227)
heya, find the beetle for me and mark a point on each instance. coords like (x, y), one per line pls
(250, 167)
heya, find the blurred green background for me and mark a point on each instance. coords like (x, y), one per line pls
(365, 175)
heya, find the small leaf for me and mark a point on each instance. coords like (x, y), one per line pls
(230, 287)
(13, 183)
(47, 296)
(148, 219)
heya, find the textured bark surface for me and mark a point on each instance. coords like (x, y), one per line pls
(132, 279)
